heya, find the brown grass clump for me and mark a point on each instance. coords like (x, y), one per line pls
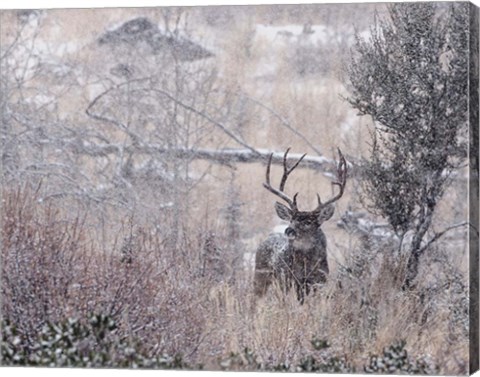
(185, 301)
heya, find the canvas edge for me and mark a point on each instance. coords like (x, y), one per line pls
(474, 187)
(474, 259)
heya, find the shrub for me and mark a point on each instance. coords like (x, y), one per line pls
(395, 360)
(310, 363)
(72, 343)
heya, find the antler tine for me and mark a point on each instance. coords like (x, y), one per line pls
(286, 172)
(341, 179)
(295, 200)
(340, 182)
(276, 192)
(319, 205)
(341, 170)
(267, 178)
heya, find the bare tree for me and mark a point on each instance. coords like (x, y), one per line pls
(33, 131)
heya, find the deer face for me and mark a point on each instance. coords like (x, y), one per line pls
(303, 224)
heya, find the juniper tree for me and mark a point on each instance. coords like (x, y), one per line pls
(410, 76)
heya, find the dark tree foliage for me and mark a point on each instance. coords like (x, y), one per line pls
(411, 77)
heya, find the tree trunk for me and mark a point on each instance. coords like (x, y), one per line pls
(412, 269)
(416, 249)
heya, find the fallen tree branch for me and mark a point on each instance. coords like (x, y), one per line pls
(220, 156)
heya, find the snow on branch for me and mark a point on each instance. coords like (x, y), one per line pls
(220, 156)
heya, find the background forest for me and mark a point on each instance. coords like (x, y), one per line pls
(133, 151)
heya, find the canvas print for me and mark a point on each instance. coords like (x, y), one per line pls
(289, 188)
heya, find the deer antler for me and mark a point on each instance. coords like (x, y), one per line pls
(286, 171)
(340, 181)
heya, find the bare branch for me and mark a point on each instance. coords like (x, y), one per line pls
(205, 116)
(285, 123)
(441, 234)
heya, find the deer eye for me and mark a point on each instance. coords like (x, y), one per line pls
(290, 232)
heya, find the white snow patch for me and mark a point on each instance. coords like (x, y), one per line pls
(249, 260)
(294, 32)
(280, 228)
(278, 39)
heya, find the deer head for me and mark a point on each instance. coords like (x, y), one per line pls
(304, 223)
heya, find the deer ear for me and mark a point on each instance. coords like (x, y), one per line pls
(283, 211)
(326, 213)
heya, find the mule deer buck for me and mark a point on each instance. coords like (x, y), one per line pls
(299, 256)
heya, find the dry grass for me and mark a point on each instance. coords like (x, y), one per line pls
(181, 301)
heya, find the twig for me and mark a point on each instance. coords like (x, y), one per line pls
(440, 234)
(284, 123)
(205, 116)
